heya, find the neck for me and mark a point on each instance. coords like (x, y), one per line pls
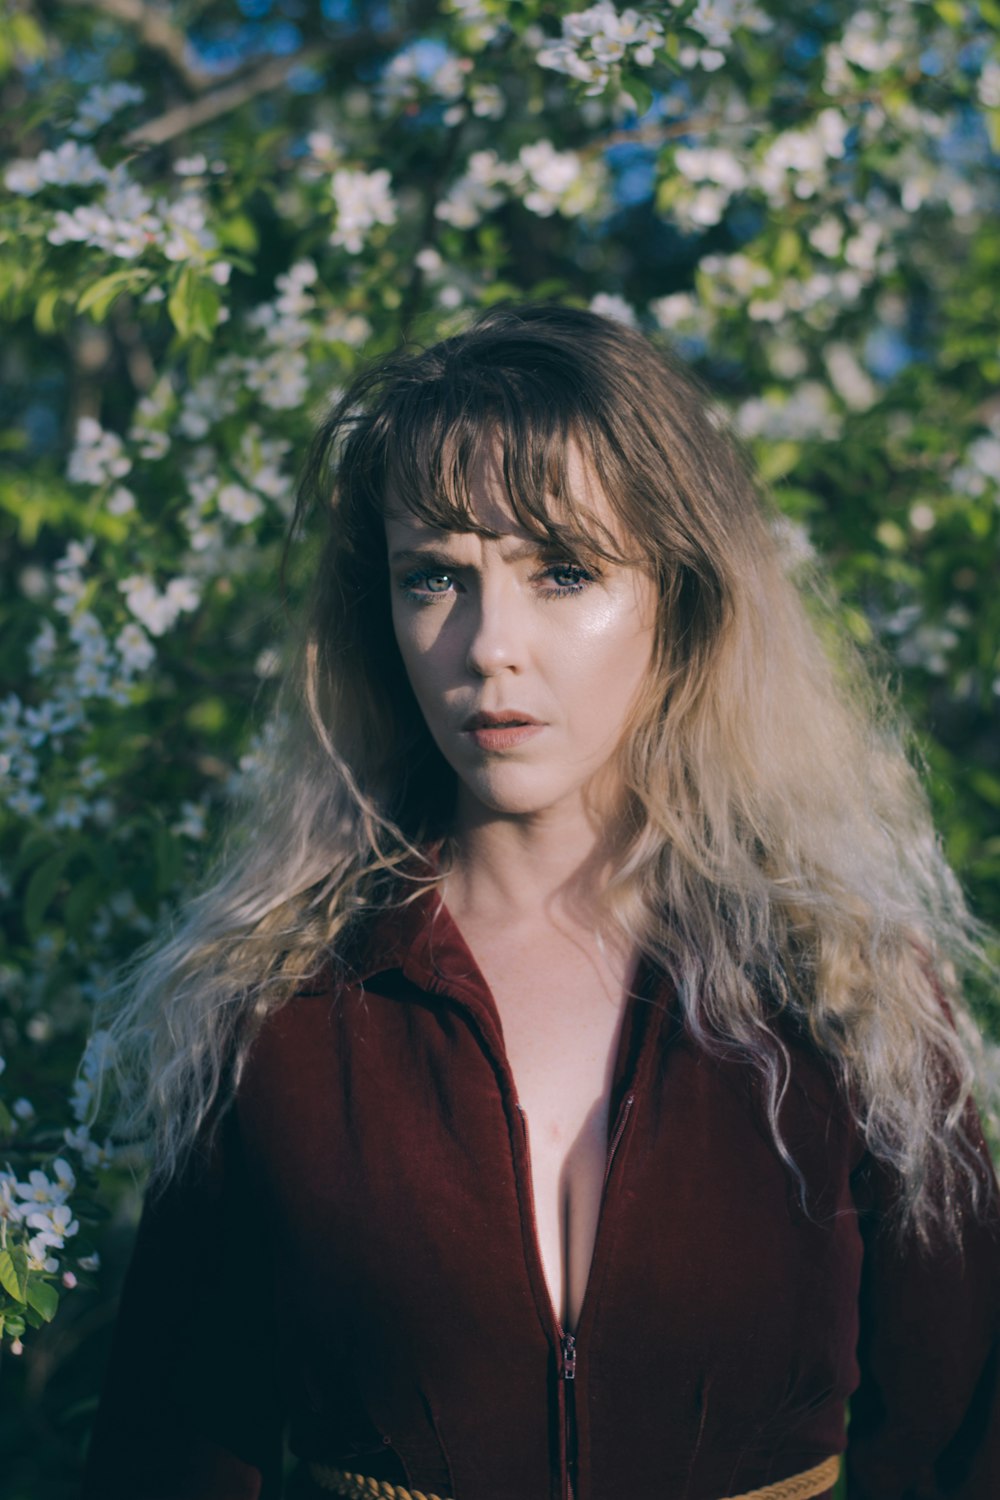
(551, 865)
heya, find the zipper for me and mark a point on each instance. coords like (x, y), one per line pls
(569, 1410)
(618, 1132)
(568, 1344)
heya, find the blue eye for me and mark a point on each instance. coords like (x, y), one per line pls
(569, 578)
(421, 585)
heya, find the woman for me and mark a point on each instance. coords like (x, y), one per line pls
(582, 831)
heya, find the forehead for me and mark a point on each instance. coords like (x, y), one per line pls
(574, 508)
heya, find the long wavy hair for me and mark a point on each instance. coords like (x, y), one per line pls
(775, 849)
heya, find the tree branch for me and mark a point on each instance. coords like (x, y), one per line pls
(174, 122)
(155, 30)
(259, 80)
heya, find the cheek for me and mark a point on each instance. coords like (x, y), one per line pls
(417, 635)
(609, 654)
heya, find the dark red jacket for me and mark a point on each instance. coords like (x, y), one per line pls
(359, 1260)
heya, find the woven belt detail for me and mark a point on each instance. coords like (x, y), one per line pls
(804, 1486)
(362, 1487)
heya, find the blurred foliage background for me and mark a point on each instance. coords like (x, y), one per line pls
(211, 213)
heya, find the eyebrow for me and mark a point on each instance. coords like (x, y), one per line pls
(440, 556)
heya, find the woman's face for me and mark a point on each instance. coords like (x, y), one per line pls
(505, 629)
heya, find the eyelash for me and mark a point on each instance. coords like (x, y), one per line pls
(562, 591)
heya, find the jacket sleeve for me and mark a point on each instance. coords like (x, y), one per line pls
(925, 1417)
(190, 1408)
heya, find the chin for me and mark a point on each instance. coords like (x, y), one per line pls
(513, 796)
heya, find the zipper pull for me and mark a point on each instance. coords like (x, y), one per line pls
(569, 1356)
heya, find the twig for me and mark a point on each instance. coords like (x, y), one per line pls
(156, 31)
(184, 117)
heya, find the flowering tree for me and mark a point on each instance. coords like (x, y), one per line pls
(213, 212)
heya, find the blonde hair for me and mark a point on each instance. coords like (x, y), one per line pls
(776, 854)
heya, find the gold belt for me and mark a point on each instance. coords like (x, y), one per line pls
(804, 1486)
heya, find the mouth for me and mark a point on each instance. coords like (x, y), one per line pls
(505, 730)
(508, 718)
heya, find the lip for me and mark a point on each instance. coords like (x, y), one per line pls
(502, 730)
(501, 718)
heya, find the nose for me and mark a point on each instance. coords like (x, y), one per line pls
(496, 641)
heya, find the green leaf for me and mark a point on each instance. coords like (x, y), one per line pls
(34, 849)
(82, 901)
(14, 1273)
(103, 293)
(640, 92)
(787, 251)
(45, 310)
(41, 889)
(44, 1298)
(193, 306)
(239, 233)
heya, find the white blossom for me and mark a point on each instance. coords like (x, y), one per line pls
(54, 1223)
(11, 1211)
(212, 397)
(346, 327)
(191, 166)
(121, 501)
(718, 174)
(362, 200)
(71, 813)
(679, 312)
(596, 40)
(120, 223)
(478, 191)
(191, 823)
(90, 773)
(159, 611)
(45, 1191)
(479, 21)
(44, 722)
(806, 413)
(852, 383)
(135, 649)
(97, 455)
(78, 166)
(980, 467)
(102, 102)
(280, 379)
(556, 181)
(487, 101)
(185, 225)
(410, 74)
(239, 503)
(869, 45)
(24, 804)
(151, 410)
(799, 158)
(91, 680)
(94, 1158)
(294, 299)
(827, 237)
(42, 649)
(610, 305)
(988, 86)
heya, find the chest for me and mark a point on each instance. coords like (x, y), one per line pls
(561, 1008)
